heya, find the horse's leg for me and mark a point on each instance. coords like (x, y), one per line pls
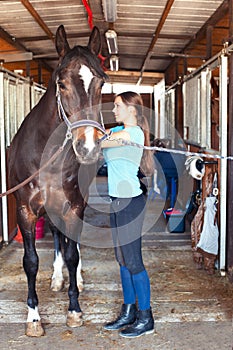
(30, 264)
(79, 272)
(74, 316)
(57, 282)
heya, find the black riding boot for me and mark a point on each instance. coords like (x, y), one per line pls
(126, 317)
(144, 324)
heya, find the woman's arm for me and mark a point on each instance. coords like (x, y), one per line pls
(115, 140)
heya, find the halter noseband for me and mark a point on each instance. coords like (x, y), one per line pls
(78, 123)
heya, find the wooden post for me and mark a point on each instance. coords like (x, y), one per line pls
(209, 31)
(40, 73)
(28, 68)
(178, 105)
(229, 242)
(179, 110)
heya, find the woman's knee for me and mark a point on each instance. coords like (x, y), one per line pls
(135, 268)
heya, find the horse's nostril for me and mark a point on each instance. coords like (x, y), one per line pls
(78, 144)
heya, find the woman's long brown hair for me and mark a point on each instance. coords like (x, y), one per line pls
(131, 98)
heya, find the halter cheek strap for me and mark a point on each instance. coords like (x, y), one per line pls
(78, 123)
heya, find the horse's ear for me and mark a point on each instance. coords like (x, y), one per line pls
(94, 43)
(61, 42)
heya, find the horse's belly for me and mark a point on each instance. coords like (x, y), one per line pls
(65, 216)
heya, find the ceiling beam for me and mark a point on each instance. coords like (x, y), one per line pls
(221, 12)
(42, 38)
(156, 34)
(16, 57)
(37, 18)
(148, 78)
(148, 35)
(11, 40)
(119, 34)
(127, 73)
(165, 56)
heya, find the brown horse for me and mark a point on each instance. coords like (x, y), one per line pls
(64, 123)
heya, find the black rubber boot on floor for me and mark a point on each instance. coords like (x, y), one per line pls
(126, 317)
(144, 324)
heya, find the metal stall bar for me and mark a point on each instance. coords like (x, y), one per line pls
(3, 161)
(205, 108)
(159, 103)
(223, 165)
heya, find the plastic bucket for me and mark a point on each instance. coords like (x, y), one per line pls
(176, 220)
(40, 228)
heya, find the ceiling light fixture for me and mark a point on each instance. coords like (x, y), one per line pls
(111, 38)
(110, 10)
(114, 63)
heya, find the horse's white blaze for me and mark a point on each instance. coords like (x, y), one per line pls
(86, 76)
(89, 136)
(33, 314)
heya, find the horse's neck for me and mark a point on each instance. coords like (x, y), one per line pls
(48, 103)
(50, 96)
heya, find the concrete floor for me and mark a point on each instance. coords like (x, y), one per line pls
(192, 310)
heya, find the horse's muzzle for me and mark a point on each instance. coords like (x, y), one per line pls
(86, 145)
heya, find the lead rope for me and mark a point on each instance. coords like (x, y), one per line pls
(169, 150)
(26, 181)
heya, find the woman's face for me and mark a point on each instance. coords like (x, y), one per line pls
(120, 110)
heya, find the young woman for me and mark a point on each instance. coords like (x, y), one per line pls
(128, 210)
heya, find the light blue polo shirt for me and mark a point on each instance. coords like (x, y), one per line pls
(123, 163)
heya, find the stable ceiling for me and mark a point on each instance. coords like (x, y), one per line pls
(153, 35)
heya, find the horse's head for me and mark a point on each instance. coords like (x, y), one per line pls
(79, 79)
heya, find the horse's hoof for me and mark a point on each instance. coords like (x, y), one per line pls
(34, 329)
(74, 319)
(57, 284)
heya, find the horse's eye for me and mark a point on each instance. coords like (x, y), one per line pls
(61, 85)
